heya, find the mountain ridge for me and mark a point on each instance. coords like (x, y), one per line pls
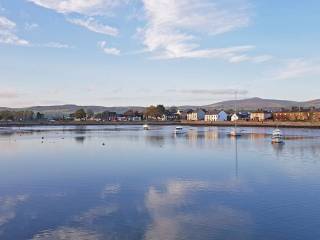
(242, 104)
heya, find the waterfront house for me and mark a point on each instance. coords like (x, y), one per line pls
(234, 117)
(211, 116)
(260, 116)
(222, 116)
(196, 115)
(303, 115)
(240, 116)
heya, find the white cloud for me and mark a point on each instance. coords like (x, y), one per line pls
(85, 7)
(94, 26)
(107, 50)
(30, 26)
(8, 35)
(56, 45)
(174, 28)
(297, 68)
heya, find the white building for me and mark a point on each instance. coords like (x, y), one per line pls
(234, 117)
(211, 116)
(196, 115)
(260, 116)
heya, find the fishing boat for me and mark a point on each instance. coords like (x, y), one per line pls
(179, 130)
(146, 127)
(277, 136)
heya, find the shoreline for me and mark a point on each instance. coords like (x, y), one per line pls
(311, 125)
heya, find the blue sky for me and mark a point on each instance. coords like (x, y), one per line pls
(142, 52)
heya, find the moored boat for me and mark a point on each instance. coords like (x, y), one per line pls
(146, 127)
(277, 136)
(179, 130)
(234, 133)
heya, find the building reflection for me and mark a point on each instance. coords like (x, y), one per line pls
(80, 139)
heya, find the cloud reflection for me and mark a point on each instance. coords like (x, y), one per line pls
(176, 214)
(8, 206)
(69, 233)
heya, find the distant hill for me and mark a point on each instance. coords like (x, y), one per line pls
(59, 110)
(258, 103)
(244, 104)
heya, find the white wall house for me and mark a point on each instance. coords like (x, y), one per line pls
(196, 115)
(260, 116)
(211, 116)
(222, 116)
(234, 117)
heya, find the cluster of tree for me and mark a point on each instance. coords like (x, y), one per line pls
(16, 115)
(155, 111)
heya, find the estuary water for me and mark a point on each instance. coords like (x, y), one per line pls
(121, 182)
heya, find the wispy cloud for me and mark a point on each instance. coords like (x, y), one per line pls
(94, 26)
(84, 7)
(8, 33)
(108, 50)
(88, 10)
(210, 91)
(57, 45)
(297, 68)
(8, 94)
(30, 26)
(174, 28)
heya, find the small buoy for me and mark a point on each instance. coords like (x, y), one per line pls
(103, 144)
(42, 138)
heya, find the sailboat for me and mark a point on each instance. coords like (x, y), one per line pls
(234, 132)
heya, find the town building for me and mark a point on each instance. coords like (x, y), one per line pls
(222, 116)
(196, 115)
(211, 116)
(306, 115)
(244, 116)
(260, 116)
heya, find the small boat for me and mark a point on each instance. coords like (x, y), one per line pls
(146, 127)
(277, 136)
(235, 133)
(179, 130)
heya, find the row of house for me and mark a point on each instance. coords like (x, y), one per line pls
(213, 116)
(210, 116)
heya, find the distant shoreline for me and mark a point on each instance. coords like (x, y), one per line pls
(312, 125)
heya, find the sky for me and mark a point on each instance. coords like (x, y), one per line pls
(143, 52)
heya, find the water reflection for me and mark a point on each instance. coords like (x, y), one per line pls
(156, 185)
(80, 139)
(177, 215)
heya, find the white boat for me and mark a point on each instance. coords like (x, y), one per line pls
(179, 130)
(146, 127)
(235, 133)
(277, 136)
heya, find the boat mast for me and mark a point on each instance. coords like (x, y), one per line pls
(235, 109)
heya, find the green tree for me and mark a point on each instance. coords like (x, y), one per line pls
(80, 114)
(161, 110)
(90, 113)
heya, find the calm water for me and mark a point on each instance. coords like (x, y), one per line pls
(65, 184)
